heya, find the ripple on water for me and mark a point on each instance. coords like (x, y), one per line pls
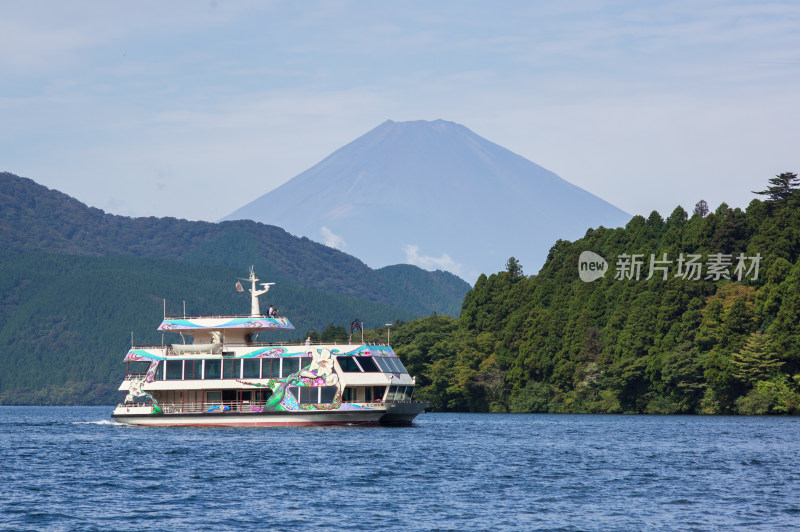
(72, 468)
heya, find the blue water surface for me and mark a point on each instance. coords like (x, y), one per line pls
(72, 468)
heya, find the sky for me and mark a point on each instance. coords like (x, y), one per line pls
(192, 109)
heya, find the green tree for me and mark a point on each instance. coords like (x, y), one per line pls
(514, 268)
(774, 396)
(756, 361)
(701, 208)
(781, 187)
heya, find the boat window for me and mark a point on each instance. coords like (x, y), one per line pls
(271, 368)
(231, 369)
(228, 395)
(262, 395)
(174, 370)
(327, 394)
(400, 393)
(305, 362)
(386, 364)
(138, 368)
(214, 397)
(307, 393)
(213, 369)
(348, 395)
(367, 364)
(251, 368)
(368, 394)
(158, 373)
(348, 365)
(290, 365)
(378, 392)
(397, 366)
(381, 362)
(193, 369)
(311, 395)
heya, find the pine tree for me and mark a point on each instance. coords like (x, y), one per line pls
(755, 361)
(514, 268)
(701, 208)
(781, 186)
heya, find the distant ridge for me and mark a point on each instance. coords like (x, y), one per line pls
(433, 194)
(35, 218)
(77, 282)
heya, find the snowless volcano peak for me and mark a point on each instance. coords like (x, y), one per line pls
(434, 194)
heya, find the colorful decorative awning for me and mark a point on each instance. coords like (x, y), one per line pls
(190, 324)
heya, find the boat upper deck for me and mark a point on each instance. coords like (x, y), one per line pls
(207, 323)
(253, 350)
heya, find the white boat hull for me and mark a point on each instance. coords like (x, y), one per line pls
(391, 414)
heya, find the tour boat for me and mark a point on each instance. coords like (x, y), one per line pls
(225, 377)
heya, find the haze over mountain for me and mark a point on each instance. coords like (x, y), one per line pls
(436, 195)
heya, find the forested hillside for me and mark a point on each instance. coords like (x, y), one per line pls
(726, 340)
(75, 281)
(35, 218)
(66, 321)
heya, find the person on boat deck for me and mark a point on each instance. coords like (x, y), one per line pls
(271, 311)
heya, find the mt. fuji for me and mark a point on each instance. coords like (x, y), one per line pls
(436, 195)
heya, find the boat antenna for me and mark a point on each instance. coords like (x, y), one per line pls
(255, 309)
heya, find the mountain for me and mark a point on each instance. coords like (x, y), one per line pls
(433, 194)
(35, 218)
(75, 281)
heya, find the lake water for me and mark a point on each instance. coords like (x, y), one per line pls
(72, 468)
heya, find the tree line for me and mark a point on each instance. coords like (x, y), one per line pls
(719, 344)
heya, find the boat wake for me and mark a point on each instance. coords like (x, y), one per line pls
(100, 422)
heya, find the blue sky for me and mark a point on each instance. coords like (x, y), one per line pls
(192, 109)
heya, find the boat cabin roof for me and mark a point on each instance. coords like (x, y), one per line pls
(207, 323)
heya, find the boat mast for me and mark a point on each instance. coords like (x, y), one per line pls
(255, 309)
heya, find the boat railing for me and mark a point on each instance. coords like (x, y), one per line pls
(222, 316)
(210, 407)
(134, 405)
(213, 406)
(168, 351)
(196, 407)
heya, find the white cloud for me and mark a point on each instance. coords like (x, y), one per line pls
(430, 263)
(331, 239)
